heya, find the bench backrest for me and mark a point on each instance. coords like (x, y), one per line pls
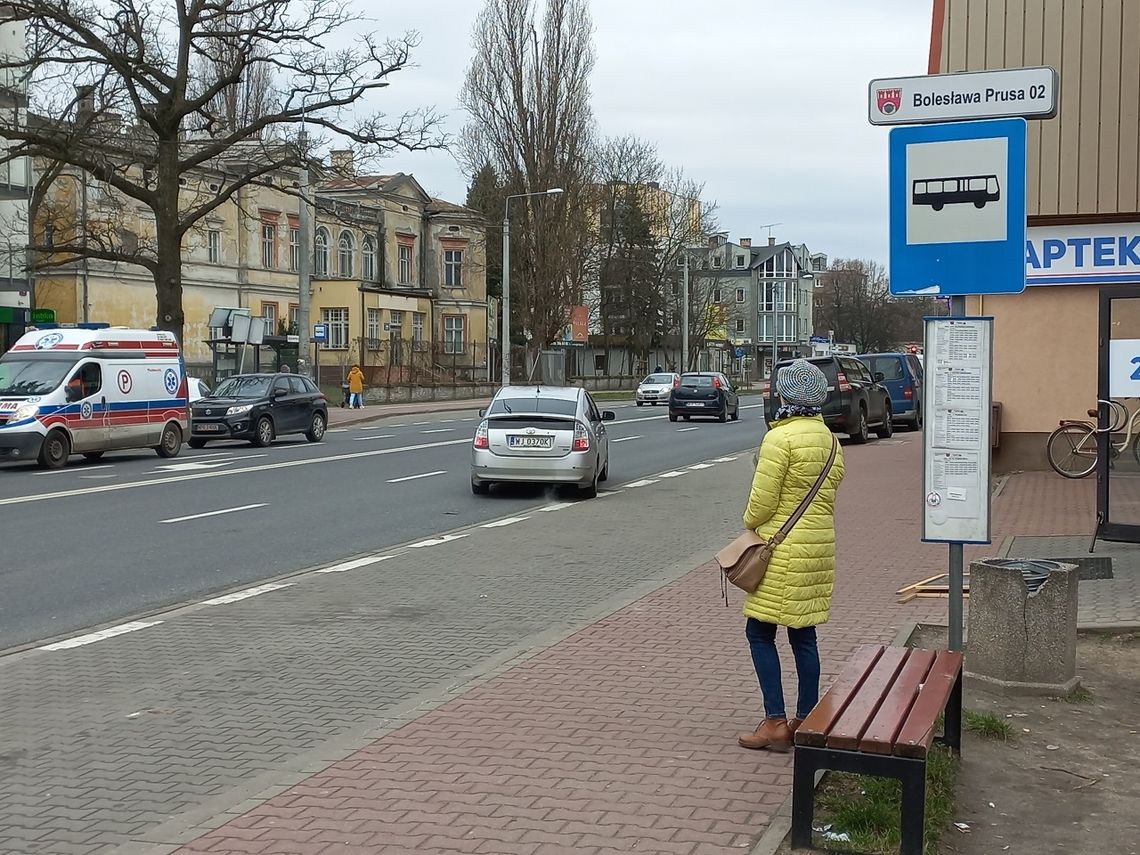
(886, 701)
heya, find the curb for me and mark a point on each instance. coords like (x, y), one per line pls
(426, 409)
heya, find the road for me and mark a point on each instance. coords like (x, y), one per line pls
(131, 534)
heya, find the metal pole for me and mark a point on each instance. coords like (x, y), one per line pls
(86, 260)
(775, 338)
(957, 563)
(685, 315)
(505, 345)
(304, 265)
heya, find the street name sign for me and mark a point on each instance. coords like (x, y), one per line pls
(1030, 93)
(957, 208)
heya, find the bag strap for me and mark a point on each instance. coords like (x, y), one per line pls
(787, 527)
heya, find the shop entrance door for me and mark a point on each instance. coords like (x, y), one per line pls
(1118, 381)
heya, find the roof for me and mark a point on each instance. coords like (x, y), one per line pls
(75, 338)
(440, 206)
(565, 393)
(359, 182)
(763, 253)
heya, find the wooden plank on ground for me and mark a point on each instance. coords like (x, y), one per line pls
(918, 732)
(813, 730)
(879, 737)
(848, 730)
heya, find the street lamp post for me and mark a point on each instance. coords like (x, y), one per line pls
(505, 344)
(685, 314)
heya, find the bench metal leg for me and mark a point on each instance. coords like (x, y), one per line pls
(952, 736)
(803, 796)
(913, 779)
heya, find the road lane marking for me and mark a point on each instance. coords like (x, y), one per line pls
(438, 430)
(214, 513)
(238, 596)
(686, 430)
(625, 438)
(197, 476)
(194, 466)
(507, 521)
(701, 466)
(81, 469)
(415, 477)
(376, 427)
(673, 474)
(92, 637)
(645, 482)
(336, 430)
(603, 493)
(723, 459)
(373, 436)
(355, 564)
(436, 541)
(557, 506)
(421, 424)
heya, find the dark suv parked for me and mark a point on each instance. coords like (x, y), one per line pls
(260, 407)
(856, 400)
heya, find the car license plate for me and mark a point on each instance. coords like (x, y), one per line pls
(209, 427)
(695, 404)
(515, 441)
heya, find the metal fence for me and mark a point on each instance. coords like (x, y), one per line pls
(400, 362)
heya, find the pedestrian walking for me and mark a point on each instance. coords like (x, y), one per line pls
(356, 388)
(797, 453)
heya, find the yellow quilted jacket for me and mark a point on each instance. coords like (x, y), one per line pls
(796, 590)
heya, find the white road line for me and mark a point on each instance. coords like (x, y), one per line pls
(355, 564)
(625, 438)
(401, 424)
(603, 494)
(81, 469)
(645, 482)
(421, 424)
(507, 521)
(686, 430)
(92, 637)
(751, 406)
(373, 436)
(436, 541)
(416, 477)
(214, 513)
(701, 466)
(467, 420)
(723, 459)
(336, 430)
(557, 506)
(194, 466)
(673, 474)
(247, 593)
(438, 430)
(196, 476)
(376, 427)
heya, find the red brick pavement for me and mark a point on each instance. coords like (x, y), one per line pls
(622, 738)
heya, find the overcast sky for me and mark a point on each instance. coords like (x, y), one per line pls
(764, 101)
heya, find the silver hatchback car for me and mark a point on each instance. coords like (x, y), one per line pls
(543, 435)
(656, 388)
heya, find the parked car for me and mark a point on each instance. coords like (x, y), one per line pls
(704, 393)
(543, 435)
(655, 389)
(857, 401)
(260, 407)
(903, 377)
(197, 389)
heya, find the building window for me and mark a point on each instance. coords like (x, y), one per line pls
(397, 323)
(294, 249)
(740, 262)
(787, 327)
(337, 322)
(717, 296)
(321, 253)
(740, 295)
(374, 324)
(717, 262)
(740, 325)
(269, 312)
(778, 297)
(453, 334)
(49, 234)
(368, 260)
(268, 246)
(294, 311)
(214, 246)
(345, 260)
(453, 268)
(417, 326)
(405, 265)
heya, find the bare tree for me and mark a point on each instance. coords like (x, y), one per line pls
(527, 95)
(853, 300)
(233, 105)
(117, 101)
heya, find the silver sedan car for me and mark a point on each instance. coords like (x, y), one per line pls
(543, 435)
(655, 388)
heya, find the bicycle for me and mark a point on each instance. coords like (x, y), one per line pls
(1072, 447)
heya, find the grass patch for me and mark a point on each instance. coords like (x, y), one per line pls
(867, 808)
(987, 725)
(612, 396)
(1079, 695)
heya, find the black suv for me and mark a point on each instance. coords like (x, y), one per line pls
(260, 407)
(856, 400)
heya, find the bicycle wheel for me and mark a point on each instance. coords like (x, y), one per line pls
(1072, 450)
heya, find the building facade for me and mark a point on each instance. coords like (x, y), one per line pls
(16, 180)
(1083, 200)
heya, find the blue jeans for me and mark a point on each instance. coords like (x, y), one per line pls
(354, 400)
(762, 643)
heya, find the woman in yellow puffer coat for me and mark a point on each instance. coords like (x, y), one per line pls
(796, 590)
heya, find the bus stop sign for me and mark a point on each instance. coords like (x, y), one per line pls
(957, 208)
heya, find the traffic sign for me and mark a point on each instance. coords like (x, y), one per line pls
(957, 208)
(739, 352)
(320, 333)
(1027, 92)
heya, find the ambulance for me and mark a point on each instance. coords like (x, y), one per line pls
(91, 390)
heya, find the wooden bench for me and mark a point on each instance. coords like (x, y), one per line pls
(879, 719)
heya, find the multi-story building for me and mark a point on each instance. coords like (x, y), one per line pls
(15, 184)
(398, 277)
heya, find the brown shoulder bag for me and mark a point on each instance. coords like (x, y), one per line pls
(744, 561)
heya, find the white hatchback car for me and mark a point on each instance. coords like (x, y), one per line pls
(655, 389)
(543, 435)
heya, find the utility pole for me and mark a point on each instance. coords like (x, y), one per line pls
(304, 263)
(685, 314)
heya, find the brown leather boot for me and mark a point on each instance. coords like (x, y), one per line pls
(772, 733)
